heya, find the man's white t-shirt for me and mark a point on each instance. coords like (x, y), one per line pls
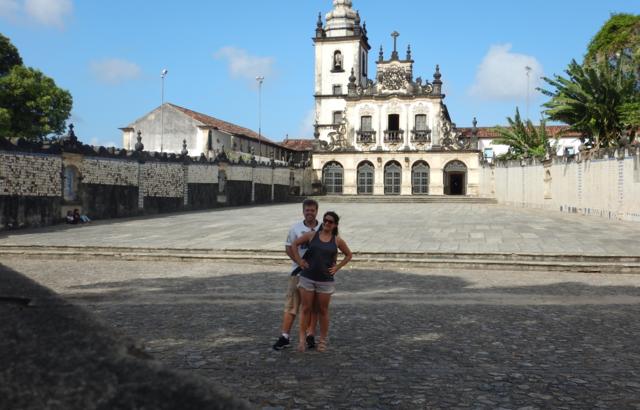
(296, 231)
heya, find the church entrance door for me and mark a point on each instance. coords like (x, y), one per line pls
(455, 178)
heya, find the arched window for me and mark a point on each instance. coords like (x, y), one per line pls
(455, 178)
(222, 181)
(420, 178)
(337, 61)
(333, 177)
(365, 178)
(392, 178)
(70, 183)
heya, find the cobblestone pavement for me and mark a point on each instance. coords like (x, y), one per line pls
(431, 227)
(403, 338)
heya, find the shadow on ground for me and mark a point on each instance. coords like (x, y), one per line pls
(398, 340)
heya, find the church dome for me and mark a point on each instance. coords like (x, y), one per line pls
(342, 18)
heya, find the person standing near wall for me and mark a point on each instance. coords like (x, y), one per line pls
(308, 224)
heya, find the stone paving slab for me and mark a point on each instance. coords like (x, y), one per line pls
(435, 227)
(404, 338)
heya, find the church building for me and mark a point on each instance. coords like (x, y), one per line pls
(385, 132)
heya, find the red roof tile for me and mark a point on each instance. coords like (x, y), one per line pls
(490, 132)
(298, 144)
(222, 125)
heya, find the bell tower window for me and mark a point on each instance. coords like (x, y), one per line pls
(337, 61)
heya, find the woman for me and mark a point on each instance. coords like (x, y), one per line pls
(317, 277)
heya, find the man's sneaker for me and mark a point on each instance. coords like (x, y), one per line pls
(311, 342)
(282, 343)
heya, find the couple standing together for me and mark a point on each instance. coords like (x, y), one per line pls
(313, 247)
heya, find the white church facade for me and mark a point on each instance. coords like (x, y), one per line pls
(383, 133)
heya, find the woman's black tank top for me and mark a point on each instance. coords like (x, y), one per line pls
(321, 256)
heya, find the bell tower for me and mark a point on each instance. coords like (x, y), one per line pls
(341, 51)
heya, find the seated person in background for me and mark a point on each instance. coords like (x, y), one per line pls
(69, 218)
(80, 218)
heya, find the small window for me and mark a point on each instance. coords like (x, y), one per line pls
(488, 153)
(365, 123)
(337, 90)
(337, 117)
(421, 122)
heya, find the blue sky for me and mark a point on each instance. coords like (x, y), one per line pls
(109, 54)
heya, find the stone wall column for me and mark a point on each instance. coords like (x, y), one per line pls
(273, 183)
(436, 181)
(140, 186)
(405, 183)
(185, 173)
(253, 182)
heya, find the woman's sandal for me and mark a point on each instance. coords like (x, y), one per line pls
(322, 345)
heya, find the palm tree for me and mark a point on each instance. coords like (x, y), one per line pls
(523, 138)
(594, 101)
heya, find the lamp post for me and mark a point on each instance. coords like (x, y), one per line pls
(260, 80)
(163, 74)
(528, 70)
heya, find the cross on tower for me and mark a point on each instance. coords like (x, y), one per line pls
(395, 35)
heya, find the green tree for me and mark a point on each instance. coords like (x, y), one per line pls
(523, 138)
(594, 100)
(31, 105)
(9, 56)
(617, 42)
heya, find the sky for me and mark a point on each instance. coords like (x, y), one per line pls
(109, 54)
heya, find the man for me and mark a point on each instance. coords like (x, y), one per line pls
(310, 223)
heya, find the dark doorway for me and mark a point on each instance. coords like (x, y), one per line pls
(455, 178)
(394, 122)
(456, 184)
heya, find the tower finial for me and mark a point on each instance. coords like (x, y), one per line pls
(394, 54)
(408, 52)
(381, 55)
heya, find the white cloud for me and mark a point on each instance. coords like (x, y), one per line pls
(9, 8)
(502, 75)
(245, 66)
(49, 12)
(306, 127)
(115, 71)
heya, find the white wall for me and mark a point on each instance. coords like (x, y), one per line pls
(607, 187)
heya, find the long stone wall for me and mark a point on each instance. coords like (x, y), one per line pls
(30, 174)
(37, 189)
(606, 186)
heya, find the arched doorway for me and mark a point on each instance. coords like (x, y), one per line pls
(455, 178)
(420, 178)
(365, 178)
(333, 177)
(392, 178)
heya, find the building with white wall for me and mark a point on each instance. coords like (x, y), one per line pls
(169, 128)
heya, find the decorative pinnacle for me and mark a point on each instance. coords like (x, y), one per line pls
(319, 23)
(184, 151)
(381, 55)
(409, 52)
(139, 146)
(437, 74)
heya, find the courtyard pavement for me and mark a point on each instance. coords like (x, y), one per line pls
(430, 227)
(402, 338)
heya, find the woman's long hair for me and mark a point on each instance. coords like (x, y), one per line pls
(335, 217)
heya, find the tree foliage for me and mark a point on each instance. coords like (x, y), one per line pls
(594, 100)
(31, 105)
(523, 138)
(618, 42)
(9, 56)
